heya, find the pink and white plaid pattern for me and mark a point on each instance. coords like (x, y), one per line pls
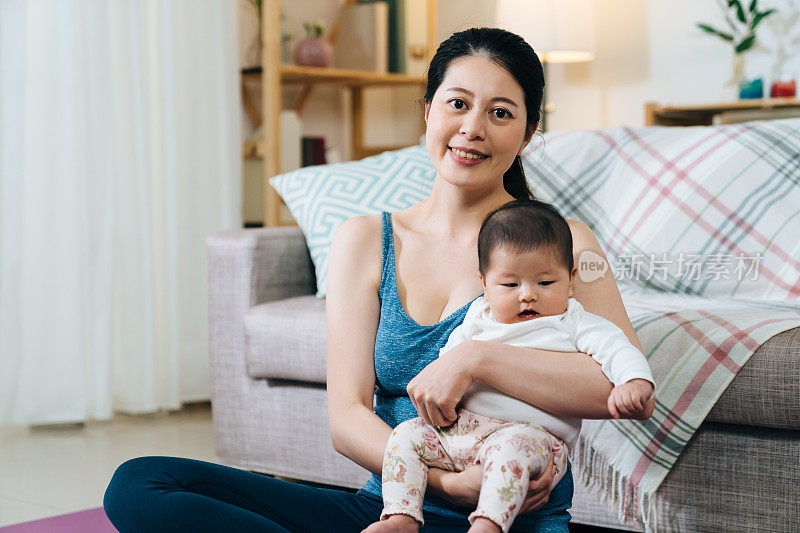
(712, 192)
(728, 191)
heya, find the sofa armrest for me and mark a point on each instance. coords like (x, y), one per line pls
(766, 391)
(268, 263)
(245, 268)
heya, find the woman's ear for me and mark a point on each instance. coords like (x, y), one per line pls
(528, 137)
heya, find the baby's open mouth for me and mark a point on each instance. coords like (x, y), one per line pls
(528, 313)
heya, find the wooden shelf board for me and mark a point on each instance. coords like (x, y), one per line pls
(253, 149)
(757, 103)
(358, 78)
(367, 151)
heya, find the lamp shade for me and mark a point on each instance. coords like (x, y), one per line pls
(560, 31)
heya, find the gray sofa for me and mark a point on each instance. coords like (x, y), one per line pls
(740, 471)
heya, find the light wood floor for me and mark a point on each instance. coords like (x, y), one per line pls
(50, 471)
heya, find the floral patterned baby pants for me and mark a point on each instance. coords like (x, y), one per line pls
(509, 452)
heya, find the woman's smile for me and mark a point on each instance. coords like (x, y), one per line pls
(467, 157)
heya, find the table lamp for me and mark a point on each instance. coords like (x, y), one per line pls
(560, 31)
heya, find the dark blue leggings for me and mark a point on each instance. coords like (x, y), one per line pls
(155, 494)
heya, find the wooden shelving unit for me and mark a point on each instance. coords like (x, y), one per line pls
(703, 115)
(275, 75)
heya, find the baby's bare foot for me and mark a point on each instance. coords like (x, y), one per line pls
(397, 523)
(484, 525)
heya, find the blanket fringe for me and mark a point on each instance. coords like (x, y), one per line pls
(599, 474)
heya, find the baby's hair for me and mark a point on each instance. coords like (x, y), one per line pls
(525, 226)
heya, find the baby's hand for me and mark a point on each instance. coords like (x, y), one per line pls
(629, 398)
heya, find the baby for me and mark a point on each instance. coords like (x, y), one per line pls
(526, 266)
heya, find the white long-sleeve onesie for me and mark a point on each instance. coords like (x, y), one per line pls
(576, 330)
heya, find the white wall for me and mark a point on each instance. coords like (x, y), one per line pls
(651, 51)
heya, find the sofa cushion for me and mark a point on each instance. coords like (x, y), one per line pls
(286, 339)
(321, 197)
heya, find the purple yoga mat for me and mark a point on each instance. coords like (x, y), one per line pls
(89, 521)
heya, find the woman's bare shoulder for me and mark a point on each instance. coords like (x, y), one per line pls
(359, 229)
(356, 246)
(582, 235)
(598, 294)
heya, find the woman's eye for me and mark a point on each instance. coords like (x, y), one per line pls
(501, 113)
(458, 104)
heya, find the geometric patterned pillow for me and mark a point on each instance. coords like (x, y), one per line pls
(709, 211)
(321, 197)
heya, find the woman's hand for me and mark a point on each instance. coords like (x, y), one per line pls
(437, 389)
(539, 489)
(462, 488)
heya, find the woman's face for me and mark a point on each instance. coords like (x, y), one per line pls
(476, 123)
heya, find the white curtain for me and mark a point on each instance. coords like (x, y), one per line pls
(120, 151)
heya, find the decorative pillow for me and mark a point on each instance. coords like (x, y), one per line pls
(321, 197)
(710, 211)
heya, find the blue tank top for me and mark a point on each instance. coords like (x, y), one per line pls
(402, 349)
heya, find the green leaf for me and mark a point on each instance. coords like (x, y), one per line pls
(759, 17)
(746, 44)
(753, 6)
(739, 10)
(708, 29)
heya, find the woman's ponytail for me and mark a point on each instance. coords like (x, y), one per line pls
(514, 181)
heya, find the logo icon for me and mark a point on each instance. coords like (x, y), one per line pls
(591, 266)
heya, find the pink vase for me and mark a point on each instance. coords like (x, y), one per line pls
(313, 52)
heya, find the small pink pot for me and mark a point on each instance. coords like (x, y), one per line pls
(313, 52)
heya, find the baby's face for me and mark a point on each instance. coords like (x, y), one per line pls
(527, 285)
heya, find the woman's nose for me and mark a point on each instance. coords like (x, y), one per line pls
(472, 126)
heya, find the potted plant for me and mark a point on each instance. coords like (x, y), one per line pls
(314, 50)
(740, 32)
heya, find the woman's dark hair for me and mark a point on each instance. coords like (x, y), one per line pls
(511, 52)
(524, 226)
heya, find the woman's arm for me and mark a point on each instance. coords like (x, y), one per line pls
(601, 297)
(352, 311)
(352, 314)
(566, 384)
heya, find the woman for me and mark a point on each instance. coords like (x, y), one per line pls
(397, 286)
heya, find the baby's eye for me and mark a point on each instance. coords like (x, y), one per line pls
(546, 283)
(509, 284)
(458, 103)
(501, 113)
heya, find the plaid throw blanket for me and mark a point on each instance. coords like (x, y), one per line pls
(695, 347)
(701, 228)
